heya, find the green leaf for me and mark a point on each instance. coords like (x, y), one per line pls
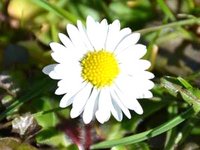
(45, 120)
(147, 134)
(52, 136)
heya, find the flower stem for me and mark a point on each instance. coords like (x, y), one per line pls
(170, 25)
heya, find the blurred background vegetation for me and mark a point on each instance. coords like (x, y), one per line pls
(29, 113)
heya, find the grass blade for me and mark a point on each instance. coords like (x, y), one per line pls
(166, 10)
(147, 134)
(55, 9)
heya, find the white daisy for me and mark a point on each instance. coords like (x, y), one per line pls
(100, 70)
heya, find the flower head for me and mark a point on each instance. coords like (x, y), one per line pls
(100, 70)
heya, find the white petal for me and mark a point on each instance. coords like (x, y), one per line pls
(122, 34)
(133, 104)
(140, 50)
(69, 71)
(47, 69)
(128, 91)
(67, 55)
(68, 98)
(52, 74)
(132, 52)
(63, 71)
(116, 111)
(60, 91)
(65, 40)
(80, 99)
(134, 87)
(143, 64)
(74, 35)
(148, 75)
(69, 83)
(71, 75)
(103, 112)
(58, 57)
(70, 80)
(120, 104)
(113, 35)
(103, 31)
(146, 94)
(58, 71)
(56, 47)
(129, 101)
(142, 75)
(130, 39)
(90, 22)
(54, 71)
(136, 68)
(84, 36)
(90, 107)
(91, 28)
(147, 85)
(97, 32)
(126, 84)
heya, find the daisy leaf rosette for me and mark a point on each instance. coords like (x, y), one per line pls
(100, 70)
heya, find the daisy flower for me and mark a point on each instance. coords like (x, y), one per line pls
(100, 70)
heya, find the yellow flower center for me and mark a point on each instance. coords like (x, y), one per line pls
(100, 68)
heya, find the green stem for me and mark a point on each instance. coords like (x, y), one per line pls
(170, 25)
(147, 134)
(48, 111)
